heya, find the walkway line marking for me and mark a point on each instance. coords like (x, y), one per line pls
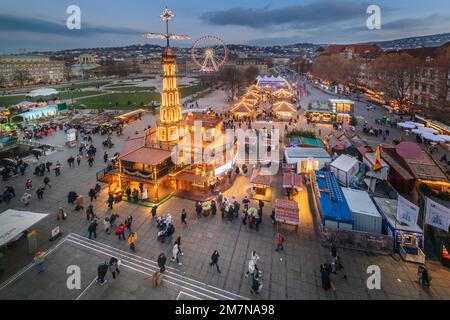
(82, 293)
(137, 258)
(187, 294)
(153, 270)
(29, 266)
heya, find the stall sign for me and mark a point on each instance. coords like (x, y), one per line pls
(407, 212)
(437, 215)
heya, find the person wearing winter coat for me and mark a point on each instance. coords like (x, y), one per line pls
(132, 240)
(128, 222)
(92, 230)
(114, 267)
(175, 254)
(101, 273)
(120, 231)
(107, 225)
(215, 260)
(162, 262)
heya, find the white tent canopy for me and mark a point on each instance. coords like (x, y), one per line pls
(417, 124)
(432, 137)
(406, 125)
(446, 138)
(43, 92)
(14, 222)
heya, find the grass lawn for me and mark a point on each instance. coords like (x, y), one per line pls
(6, 101)
(78, 94)
(122, 100)
(136, 99)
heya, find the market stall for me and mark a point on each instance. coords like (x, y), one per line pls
(408, 239)
(260, 183)
(287, 212)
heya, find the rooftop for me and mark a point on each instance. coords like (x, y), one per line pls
(332, 200)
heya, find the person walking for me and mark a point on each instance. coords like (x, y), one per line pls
(222, 209)
(256, 284)
(280, 241)
(184, 217)
(215, 260)
(114, 266)
(246, 202)
(110, 201)
(107, 225)
(47, 182)
(61, 214)
(213, 208)
(178, 241)
(154, 208)
(132, 240)
(78, 159)
(162, 262)
(101, 273)
(176, 254)
(105, 157)
(92, 230)
(128, 222)
(120, 231)
(39, 261)
(198, 208)
(40, 193)
(92, 194)
(90, 212)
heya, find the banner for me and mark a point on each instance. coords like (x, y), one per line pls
(437, 215)
(407, 212)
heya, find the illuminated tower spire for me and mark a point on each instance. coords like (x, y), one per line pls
(169, 125)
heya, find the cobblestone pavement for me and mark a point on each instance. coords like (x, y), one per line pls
(291, 274)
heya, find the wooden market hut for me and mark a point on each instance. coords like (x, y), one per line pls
(242, 109)
(283, 94)
(284, 109)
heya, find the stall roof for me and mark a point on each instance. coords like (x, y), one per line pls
(302, 153)
(344, 163)
(341, 101)
(292, 179)
(360, 202)
(14, 222)
(287, 211)
(332, 200)
(145, 155)
(424, 167)
(257, 178)
(314, 142)
(388, 209)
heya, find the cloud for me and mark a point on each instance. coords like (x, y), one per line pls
(315, 14)
(391, 30)
(10, 23)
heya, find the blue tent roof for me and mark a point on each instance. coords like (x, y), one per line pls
(333, 203)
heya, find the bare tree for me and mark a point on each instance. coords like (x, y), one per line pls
(250, 75)
(21, 76)
(394, 74)
(232, 80)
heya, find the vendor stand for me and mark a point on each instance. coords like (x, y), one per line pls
(287, 212)
(260, 183)
(408, 240)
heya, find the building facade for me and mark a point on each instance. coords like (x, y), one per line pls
(30, 69)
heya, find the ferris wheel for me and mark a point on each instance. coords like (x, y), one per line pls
(209, 53)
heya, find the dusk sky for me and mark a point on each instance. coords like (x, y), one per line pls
(41, 25)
